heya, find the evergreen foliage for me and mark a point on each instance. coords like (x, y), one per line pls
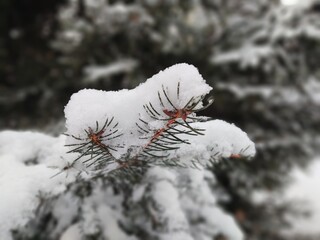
(141, 184)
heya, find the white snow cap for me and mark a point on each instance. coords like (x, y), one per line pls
(220, 140)
(127, 106)
(171, 89)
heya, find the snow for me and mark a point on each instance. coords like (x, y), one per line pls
(31, 163)
(287, 24)
(172, 88)
(199, 202)
(243, 91)
(289, 2)
(26, 159)
(282, 94)
(303, 195)
(94, 73)
(183, 198)
(28, 145)
(220, 140)
(312, 88)
(65, 209)
(166, 205)
(102, 211)
(296, 3)
(72, 233)
(249, 56)
(286, 16)
(111, 229)
(172, 206)
(167, 198)
(220, 221)
(127, 106)
(305, 187)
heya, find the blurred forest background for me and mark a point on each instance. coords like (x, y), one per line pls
(261, 57)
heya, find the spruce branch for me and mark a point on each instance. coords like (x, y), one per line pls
(93, 148)
(177, 121)
(96, 148)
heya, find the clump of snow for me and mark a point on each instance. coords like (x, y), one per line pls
(164, 204)
(199, 202)
(25, 146)
(248, 56)
(102, 212)
(180, 198)
(288, 95)
(28, 160)
(66, 210)
(166, 197)
(265, 92)
(174, 88)
(94, 73)
(220, 140)
(72, 233)
(296, 3)
(89, 106)
(312, 88)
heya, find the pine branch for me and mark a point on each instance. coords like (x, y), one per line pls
(96, 148)
(177, 121)
(93, 149)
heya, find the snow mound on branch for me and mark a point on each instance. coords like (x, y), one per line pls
(181, 209)
(89, 106)
(72, 233)
(177, 88)
(220, 140)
